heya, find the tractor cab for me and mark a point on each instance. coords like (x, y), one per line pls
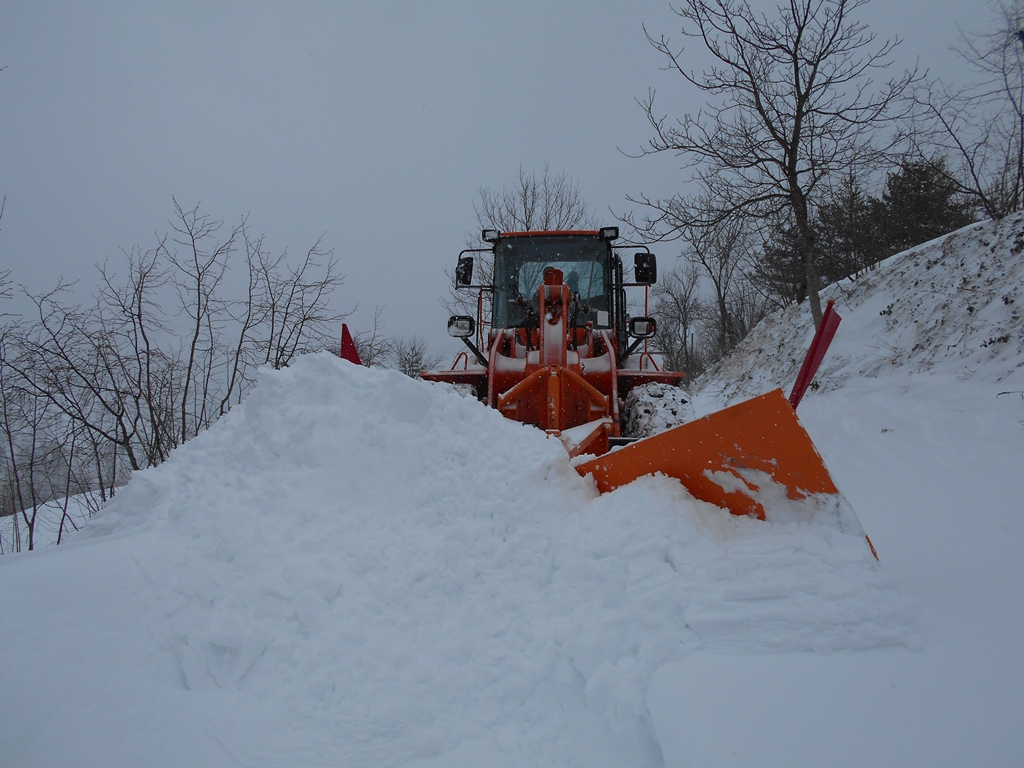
(520, 260)
(583, 261)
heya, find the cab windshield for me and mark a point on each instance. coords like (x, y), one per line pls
(519, 265)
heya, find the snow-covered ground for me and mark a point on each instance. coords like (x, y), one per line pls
(357, 569)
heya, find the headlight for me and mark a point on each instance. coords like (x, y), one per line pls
(461, 326)
(642, 327)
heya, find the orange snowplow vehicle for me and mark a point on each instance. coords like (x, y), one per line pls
(553, 345)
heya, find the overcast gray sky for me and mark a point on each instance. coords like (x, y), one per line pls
(372, 123)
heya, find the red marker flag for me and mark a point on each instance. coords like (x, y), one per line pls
(822, 338)
(348, 347)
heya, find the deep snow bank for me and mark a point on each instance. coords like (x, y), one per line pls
(405, 570)
(952, 306)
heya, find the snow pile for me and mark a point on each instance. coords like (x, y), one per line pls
(405, 571)
(953, 306)
(354, 568)
(653, 408)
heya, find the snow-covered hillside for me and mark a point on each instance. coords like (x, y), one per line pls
(954, 306)
(354, 568)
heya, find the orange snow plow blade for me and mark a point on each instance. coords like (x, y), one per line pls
(753, 458)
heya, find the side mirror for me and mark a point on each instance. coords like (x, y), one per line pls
(645, 268)
(642, 327)
(464, 271)
(461, 326)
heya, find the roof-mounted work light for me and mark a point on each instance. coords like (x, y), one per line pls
(610, 233)
(490, 235)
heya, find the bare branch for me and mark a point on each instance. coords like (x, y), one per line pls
(791, 104)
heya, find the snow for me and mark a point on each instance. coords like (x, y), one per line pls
(355, 568)
(652, 408)
(953, 307)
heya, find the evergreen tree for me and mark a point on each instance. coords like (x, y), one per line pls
(779, 272)
(850, 237)
(921, 203)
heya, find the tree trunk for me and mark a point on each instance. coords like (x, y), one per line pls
(805, 243)
(811, 274)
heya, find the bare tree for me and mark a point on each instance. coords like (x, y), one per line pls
(71, 358)
(5, 274)
(90, 392)
(129, 318)
(373, 347)
(677, 307)
(50, 479)
(411, 354)
(285, 312)
(294, 305)
(981, 127)
(792, 105)
(532, 204)
(719, 252)
(200, 262)
(37, 455)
